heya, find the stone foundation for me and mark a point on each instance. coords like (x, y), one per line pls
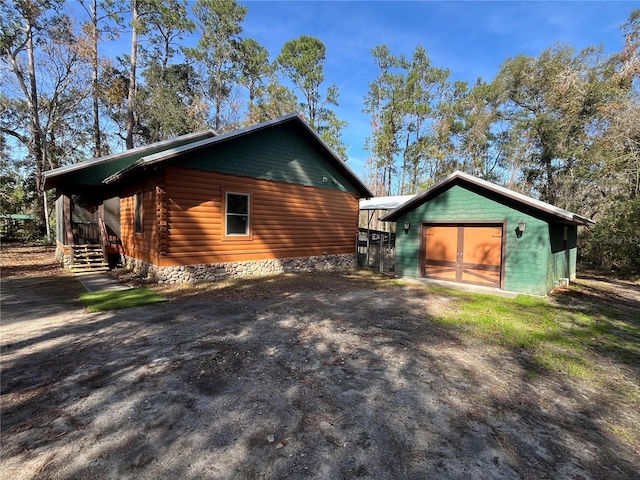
(61, 258)
(216, 271)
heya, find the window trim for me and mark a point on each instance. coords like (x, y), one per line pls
(249, 227)
(138, 212)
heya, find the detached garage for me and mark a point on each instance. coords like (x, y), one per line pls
(468, 230)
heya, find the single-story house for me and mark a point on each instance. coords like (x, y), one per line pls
(268, 198)
(468, 230)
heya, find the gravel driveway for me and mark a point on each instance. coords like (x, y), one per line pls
(341, 381)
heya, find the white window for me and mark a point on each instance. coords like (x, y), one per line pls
(237, 214)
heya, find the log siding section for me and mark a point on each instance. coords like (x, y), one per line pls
(145, 245)
(286, 220)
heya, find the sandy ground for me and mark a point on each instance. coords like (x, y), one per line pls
(341, 378)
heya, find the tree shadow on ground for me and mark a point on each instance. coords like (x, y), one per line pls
(616, 331)
(351, 379)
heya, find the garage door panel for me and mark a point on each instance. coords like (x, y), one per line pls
(482, 245)
(441, 253)
(440, 272)
(442, 243)
(464, 253)
(481, 277)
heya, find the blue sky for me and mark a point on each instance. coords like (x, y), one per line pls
(469, 38)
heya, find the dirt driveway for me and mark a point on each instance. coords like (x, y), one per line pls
(344, 378)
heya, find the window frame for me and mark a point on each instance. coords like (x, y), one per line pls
(138, 212)
(248, 235)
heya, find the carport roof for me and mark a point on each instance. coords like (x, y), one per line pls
(384, 203)
(461, 178)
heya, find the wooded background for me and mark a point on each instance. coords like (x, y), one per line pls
(563, 127)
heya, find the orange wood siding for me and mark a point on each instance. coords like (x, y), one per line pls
(142, 246)
(285, 220)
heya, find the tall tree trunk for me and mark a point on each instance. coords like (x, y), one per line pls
(39, 150)
(217, 121)
(548, 190)
(132, 74)
(405, 165)
(36, 132)
(94, 59)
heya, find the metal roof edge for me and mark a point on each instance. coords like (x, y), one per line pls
(384, 203)
(391, 216)
(584, 220)
(341, 163)
(173, 152)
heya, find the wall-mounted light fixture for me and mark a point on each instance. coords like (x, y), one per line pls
(406, 227)
(522, 225)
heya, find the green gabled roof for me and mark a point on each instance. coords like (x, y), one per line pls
(105, 171)
(93, 172)
(292, 119)
(492, 191)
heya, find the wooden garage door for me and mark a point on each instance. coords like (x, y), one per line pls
(463, 253)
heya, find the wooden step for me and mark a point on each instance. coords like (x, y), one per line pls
(88, 259)
(89, 268)
(88, 256)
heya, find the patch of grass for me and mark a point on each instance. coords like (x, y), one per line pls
(116, 299)
(570, 363)
(628, 434)
(557, 338)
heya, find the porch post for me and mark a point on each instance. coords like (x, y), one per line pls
(67, 219)
(66, 213)
(102, 231)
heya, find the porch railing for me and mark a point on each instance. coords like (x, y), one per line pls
(85, 233)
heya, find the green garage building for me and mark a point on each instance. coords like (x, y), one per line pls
(468, 230)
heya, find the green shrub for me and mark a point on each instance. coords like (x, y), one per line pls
(613, 244)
